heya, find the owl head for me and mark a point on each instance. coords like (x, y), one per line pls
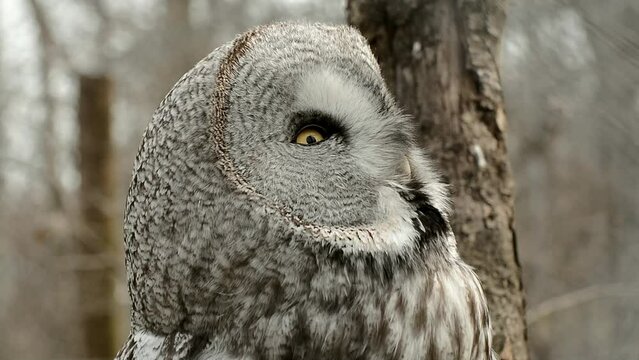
(279, 157)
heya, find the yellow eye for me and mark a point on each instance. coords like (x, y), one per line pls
(310, 135)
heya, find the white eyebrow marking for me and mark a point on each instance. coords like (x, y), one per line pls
(326, 91)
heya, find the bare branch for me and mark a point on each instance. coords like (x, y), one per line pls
(47, 35)
(48, 138)
(579, 297)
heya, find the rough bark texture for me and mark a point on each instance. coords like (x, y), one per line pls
(97, 232)
(439, 58)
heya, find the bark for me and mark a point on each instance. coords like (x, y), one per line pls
(97, 236)
(439, 58)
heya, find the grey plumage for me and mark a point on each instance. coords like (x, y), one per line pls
(241, 244)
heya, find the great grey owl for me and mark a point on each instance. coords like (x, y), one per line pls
(280, 209)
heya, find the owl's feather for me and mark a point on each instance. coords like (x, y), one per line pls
(242, 244)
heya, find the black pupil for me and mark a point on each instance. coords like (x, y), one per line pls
(311, 139)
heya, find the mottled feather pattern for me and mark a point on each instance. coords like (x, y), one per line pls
(243, 245)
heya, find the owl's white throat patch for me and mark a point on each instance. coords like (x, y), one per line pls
(392, 232)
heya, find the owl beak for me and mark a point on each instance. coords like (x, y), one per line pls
(405, 168)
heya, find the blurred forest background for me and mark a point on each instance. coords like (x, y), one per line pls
(74, 71)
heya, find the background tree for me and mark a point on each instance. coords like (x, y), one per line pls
(440, 59)
(96, 237)
(91, 219)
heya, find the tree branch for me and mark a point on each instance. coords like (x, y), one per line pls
(579, 297)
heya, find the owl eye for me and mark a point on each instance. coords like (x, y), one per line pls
(311, 135)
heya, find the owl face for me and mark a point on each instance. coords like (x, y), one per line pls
(310, 129)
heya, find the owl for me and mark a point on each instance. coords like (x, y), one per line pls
(281, 209)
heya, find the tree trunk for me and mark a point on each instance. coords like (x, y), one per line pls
(97, 232)
(439, 58)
